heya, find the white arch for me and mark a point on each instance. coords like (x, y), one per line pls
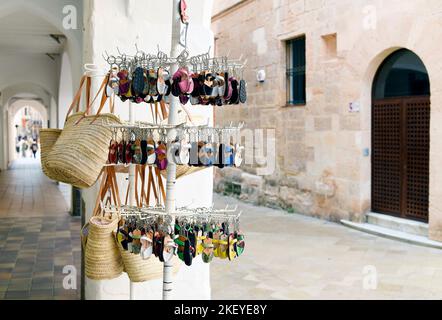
(11, 112)
(42, 72)
(19, 104)
(37, 70)
(52, 12)
(14, 97)
(17, 89)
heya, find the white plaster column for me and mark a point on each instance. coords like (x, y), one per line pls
(132, 26)
(10, 136)
(65, 92)
(2, 139)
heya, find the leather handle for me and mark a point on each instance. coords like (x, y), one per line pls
(151, 186)
(102, 87)
(103, 175)
(76, 101)
(88, 92)
(156, 111)
(160, 183)
(143, 196)
(114, 186)
(136, 186)
(164, 111)
(108, 183)
(104, 97)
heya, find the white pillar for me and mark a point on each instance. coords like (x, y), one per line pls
(190, 282)
(2, 140)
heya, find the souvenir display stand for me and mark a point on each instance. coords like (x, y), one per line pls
(128, 236)
(170, 133)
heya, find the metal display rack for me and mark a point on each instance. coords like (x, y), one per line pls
(176, 60)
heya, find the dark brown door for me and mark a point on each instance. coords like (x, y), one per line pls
(400, 157)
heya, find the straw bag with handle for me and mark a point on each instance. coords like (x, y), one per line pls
(80, 151)
(137, 269)
(48, 137)
(102, 258)
(183, 170)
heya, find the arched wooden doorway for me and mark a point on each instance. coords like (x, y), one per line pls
(401, 137)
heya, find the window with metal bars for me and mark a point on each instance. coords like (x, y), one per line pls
(232, 188)
(296, 91)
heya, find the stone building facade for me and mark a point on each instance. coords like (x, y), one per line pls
(324, 148)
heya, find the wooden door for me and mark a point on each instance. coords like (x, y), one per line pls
(400, 157)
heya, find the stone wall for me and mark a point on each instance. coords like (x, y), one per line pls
(322, 167)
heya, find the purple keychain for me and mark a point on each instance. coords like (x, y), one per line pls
(161, 156)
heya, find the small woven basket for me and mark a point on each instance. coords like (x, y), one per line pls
(102, 258)
(81, 150)
(183, 170)
(140, 270)
(48, 137)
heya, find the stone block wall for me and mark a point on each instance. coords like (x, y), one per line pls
(322, 167)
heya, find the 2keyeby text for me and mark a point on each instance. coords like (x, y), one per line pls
(222, 309)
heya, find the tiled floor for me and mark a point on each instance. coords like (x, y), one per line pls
(38, 237)
(26, 192)
(289, 256)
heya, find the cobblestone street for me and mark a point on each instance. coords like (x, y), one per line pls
(290, 256)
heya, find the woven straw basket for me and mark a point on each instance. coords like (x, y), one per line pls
(183, 170)
(81, 150)
(102, 258)
(140, 270)
(48, 137)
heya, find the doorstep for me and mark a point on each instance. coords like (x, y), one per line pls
(393, 234)
(399, 224)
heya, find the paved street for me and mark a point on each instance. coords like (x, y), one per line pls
(289, 256)
(38, 237)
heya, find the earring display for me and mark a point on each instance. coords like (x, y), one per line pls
(147, 235)
(193, 146)
(200, 79)
(150, 230)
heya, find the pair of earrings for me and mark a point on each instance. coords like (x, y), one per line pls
(220, 155)
(138, 152)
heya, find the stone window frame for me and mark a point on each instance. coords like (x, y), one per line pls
(289, 72)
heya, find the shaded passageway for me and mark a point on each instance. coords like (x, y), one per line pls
(40, 60)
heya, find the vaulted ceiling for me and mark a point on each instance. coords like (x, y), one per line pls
(22, 32)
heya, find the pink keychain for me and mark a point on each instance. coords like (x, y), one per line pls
(183, 14)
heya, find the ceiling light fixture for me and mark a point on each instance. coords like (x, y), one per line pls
(52, 55)
(58, 37)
